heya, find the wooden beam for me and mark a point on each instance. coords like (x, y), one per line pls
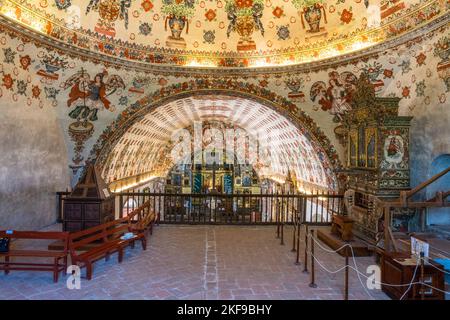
(421, 186)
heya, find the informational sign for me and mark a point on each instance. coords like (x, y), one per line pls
(418, 246)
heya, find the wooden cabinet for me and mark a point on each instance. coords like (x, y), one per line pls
(398, 269)
(89, 204)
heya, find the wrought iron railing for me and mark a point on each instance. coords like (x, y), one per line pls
(313, 209)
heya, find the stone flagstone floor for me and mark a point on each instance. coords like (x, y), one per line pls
(200, 262)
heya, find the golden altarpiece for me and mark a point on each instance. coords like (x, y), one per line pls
(377, 164)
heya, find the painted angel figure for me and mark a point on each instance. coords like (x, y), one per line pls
(335, 97)
(91, 95)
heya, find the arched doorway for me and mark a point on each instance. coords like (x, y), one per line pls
(439, 217)
(141, 142)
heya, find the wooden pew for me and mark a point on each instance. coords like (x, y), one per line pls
(106, 239)
(58, 259)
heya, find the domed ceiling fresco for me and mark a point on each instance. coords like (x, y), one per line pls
(95, 72)
(224, 33)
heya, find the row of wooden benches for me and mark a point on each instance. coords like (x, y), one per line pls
(84, 247)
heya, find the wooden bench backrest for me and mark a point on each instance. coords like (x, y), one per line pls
(137, 213)
(38, 235)
(101, 232)
(116, 227)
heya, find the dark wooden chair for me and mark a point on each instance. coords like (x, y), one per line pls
(58, 259)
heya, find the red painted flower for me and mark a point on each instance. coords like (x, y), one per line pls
(8, 81)
(263, 83)
(25, 62)
(244, 3)
(147, 5)
(277, 12)
(421, 59)
(405, 92)
(388, 73)
(210, 15)
(346, 16)
(36, 92)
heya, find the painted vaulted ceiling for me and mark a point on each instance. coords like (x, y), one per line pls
(224, 33)
(54, 60)
(145, 146)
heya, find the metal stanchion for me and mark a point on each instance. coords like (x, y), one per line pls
(312, 284)
(293, 235)
(346, 275)
(282, 228)
(305, 270)
(277, 215)
(422, 271)
(297, 261)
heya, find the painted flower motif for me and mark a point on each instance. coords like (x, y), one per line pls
(263, 83)
(406, 66)
(147, 5)
(145, 28)
(51, 92)
(277, 12)
(22, 87)
(420, 88)
(25, 62)
(244, 3)
(123, 101)
(210, 15)
(209, 36)
(346, 16)
(441, 48)
(63, 4)
(420, 59)
(36, 91)
(9, 55)
(283, 32)
(8, 81)
(388, 73)
(406, 92)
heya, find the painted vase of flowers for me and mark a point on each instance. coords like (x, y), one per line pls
(177, 13)
(245, 17)
(311, 11)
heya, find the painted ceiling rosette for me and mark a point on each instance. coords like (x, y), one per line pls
(225, 33)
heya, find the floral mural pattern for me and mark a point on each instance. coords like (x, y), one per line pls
(92, 100)
(138, 30)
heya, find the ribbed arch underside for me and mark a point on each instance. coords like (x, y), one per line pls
(144, 149)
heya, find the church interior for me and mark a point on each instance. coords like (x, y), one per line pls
(225, 150)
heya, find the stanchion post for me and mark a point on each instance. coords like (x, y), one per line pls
(293, 233)
(312, 284)
(346, 275)
(282, 228)
(422, 270)
(305, 270)
(297, 261)
(277, 215)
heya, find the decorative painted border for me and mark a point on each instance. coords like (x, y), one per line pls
(33, 19)
(111, 135)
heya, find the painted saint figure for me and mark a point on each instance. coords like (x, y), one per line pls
(89, 96)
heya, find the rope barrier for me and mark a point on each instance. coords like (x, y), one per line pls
(359, 273)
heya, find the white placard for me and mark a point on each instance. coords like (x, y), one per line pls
(418, 246)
